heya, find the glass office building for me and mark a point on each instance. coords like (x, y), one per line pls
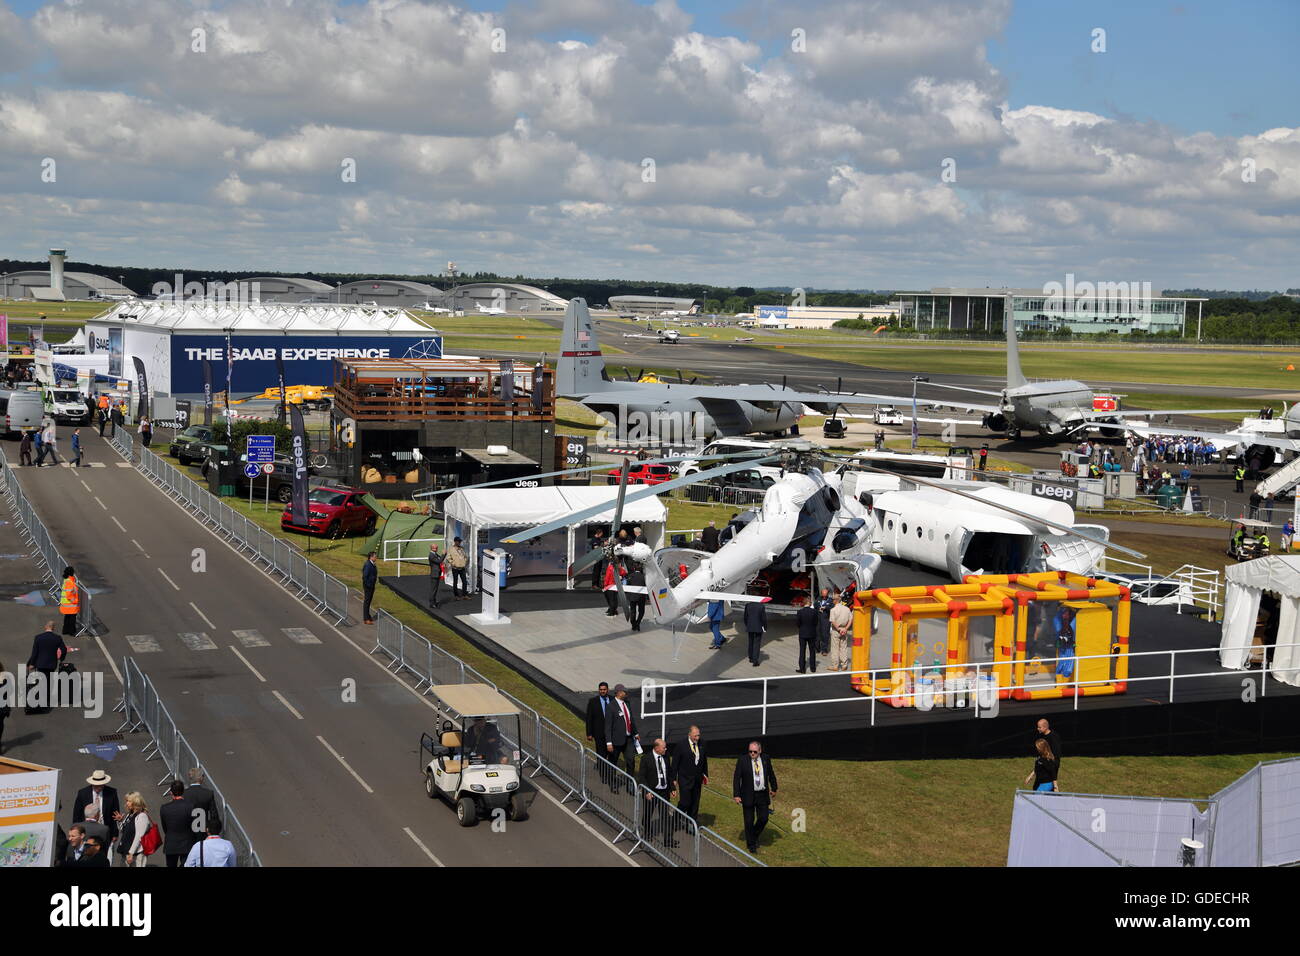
(1085, 309)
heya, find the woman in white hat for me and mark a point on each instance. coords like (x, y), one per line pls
(134, 826)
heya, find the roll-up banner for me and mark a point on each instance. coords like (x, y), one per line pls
(507, 380)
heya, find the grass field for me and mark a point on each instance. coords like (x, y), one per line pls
(851, 813)
(1240, 368)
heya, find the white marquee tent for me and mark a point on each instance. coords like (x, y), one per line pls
(1246, 584)
(482, 517)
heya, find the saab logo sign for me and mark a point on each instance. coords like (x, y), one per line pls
(308, 359)
(1055, 492)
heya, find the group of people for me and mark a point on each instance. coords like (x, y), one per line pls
(678, 772)
(186, 828)
(1177, 449)
(825, 627)
(455, 561)
(45, 442)
(113, 413)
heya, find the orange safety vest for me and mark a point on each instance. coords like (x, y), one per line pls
(103, 401)
(70, 601)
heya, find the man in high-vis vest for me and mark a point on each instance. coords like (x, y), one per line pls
(69, 602)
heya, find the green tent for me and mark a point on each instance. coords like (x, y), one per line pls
(399, 526)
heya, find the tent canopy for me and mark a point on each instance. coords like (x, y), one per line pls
(525, 507)
(1246, 584)
(1278, 572)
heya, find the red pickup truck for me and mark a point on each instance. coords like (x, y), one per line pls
(642, 475)
(333, 512)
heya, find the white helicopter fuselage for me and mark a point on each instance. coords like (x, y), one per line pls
(804, 522)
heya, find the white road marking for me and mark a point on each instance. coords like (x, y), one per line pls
(118, 523)
(201, 614)
(197, 641)
(280, 697)
(100, 503)
(376, 662)
(255, 671)
(427, 851)
(339, 758)
(251, 638)
(97, 464)
(83, 484)
(143, 643)
(300, 635)
(142, 550)
(169, 580)
(109, 657)
(124, 464)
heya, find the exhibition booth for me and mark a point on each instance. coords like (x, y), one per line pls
(1261, 611)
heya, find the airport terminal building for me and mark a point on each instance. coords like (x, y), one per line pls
(1083, 308)
(648, 304)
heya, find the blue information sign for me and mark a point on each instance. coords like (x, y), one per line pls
(261, 449)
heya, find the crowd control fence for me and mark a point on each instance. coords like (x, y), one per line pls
(326, 592)
(144, 709)
(33, 531)
(587, 779)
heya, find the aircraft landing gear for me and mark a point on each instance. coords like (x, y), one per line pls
(1013, 433)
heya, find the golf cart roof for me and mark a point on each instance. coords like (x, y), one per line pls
(1251, 523)
(473, 700)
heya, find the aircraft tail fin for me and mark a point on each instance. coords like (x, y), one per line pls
(580, 367)
(1015, 377)
(660, 590)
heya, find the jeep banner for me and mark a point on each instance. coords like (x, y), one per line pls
(1056, 492)
(507, 380)
(279, 371)
(299, 456)
(142, 403)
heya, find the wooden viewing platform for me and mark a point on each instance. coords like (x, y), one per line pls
(411, 390)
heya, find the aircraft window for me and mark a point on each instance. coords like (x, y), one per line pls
(919, 533)
(931, 534)
(891, 524)
(904, 528)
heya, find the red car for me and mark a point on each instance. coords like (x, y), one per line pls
(642, 475)
(333, 512)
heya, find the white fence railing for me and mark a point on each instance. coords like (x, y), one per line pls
(978, 695)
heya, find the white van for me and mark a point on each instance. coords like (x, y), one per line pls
(20, 411)
(727, 446)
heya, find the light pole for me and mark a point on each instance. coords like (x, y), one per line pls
(916, 379)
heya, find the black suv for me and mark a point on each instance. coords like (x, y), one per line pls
(192, 444)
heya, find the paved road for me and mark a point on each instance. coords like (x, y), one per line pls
(255, 680)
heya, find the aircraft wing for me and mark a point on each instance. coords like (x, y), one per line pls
(1093, 417)
(775, 395)
(728, 415)
(1225, 440)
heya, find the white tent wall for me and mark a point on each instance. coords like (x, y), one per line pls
(1280, 806)
(483, 516)
(1246, 584)
(1137, 831)
(1038, 838)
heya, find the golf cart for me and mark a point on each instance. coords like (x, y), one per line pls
(1244, 539)
(474, 763)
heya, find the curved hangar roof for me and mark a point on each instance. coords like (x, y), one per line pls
(263, 317)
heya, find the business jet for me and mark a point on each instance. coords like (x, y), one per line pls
(490, 310)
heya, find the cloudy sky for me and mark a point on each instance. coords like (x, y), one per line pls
(841, 144)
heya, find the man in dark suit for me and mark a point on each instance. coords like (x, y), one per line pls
(202, 800)
(620, 733)
(98, 803)
(596, 708)
(690, 773)
(94, 854)
(595, 542)
(657, 778)
(710, 537)
(47, 650)
(636, 599)
(753, 786)
(809, 622)
(755, 625)
(176, 817)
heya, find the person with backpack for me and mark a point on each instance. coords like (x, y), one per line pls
(140, 835)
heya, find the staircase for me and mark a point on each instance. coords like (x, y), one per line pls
(1285, 477)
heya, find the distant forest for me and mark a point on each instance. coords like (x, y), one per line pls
(1228, 316)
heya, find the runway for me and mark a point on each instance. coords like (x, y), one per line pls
(314, 743)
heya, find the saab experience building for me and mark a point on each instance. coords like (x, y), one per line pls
(1124, 307)
(175, 339)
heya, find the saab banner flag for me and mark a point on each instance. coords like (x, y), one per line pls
(142, 404)
(298, 517)
(207, 393)
(279, 371)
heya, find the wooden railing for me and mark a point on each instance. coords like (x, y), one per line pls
(407, 408)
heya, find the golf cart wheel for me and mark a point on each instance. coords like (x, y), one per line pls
(466, 812)
(518, 810)
(430, 788)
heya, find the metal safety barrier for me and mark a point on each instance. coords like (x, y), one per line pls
(328, 593)
(578, 770)
(145, 710)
